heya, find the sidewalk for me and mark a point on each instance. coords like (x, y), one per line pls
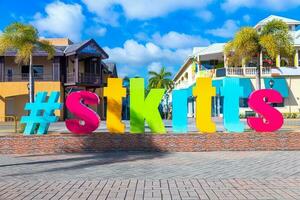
(139, 175)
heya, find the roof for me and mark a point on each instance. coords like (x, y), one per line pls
(37, 52)
(111, 68)
(183, 67)
(196, 50)
(272, 17)
(212, 49)
(75, 48)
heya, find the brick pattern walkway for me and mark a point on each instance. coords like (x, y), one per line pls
(203, 175)
(188, 189)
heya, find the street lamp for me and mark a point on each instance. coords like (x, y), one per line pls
(271, 83)
(167, 105)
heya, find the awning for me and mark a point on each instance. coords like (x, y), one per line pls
(279, 84)
(246, 84)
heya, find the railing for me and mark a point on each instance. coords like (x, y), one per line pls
(234, 71)
(84, 78)
(25, 77)
(239, 71)
(250, 71)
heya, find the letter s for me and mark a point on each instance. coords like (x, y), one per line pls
(271, 119)
(75, 104)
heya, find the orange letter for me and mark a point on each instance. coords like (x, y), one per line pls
(114, 93)
(204, 92)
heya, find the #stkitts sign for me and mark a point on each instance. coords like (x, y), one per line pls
(145, 109)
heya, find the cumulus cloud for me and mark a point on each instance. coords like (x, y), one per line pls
(205, 15)
(226, 31)
(107, 10)
(61, 19)
(134, 56)
(274, 5)
(155, 66)
(178, 40)
(246, 18)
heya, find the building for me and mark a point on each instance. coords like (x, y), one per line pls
(74, 67)
(211, 61)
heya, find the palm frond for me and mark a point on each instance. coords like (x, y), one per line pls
(46, 46)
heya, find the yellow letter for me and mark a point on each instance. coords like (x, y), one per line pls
(204, 93)
(114, 93)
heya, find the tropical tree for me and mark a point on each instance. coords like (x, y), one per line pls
(161, 79)
(24, 39)
(274, 39)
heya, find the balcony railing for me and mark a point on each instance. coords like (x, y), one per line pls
(86, 78)
(239, 71)
(25, 77)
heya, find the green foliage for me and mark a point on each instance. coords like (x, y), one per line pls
(24, 39)
(245, 45)
(282, 42)
(274, 39)
(291, 115)
(161, 79)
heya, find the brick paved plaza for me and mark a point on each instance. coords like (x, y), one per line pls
(140, 175)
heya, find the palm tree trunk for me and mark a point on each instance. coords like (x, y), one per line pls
(258, 74)
(31, 81)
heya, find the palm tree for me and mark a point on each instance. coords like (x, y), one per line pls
(274, 39)
(161, 79)
(25, 40)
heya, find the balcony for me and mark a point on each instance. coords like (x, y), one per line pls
(238, 71)
(84, 78)
(24, 77)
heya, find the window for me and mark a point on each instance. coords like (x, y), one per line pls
(38, 71)
(244, 102)
(279, 105)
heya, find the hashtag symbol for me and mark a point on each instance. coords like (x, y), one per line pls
(41, 113)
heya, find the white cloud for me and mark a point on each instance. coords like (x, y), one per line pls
(155, 66)
(134, 56)
(173, 40)
(101, 31)
(178, 40)
(205, 15)
(62, 20)
(274, 5)
(226, 31)
(142, 9)
(246, 18)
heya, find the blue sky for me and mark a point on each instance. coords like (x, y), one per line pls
(142, 35)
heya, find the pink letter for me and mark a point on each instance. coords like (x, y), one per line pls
(271, 119)
(87, 120)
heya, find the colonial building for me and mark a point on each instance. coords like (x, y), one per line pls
(210, 61)
(78, 66)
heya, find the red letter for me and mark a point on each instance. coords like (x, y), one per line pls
(271, 119)
(87, 120)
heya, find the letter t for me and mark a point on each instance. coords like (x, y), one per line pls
(204, 93)
(114, 93)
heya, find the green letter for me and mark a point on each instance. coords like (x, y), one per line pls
(142, 109)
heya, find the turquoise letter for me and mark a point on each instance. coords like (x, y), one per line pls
(179, 110)
(232, 91)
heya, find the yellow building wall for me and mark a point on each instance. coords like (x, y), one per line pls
(15, 90)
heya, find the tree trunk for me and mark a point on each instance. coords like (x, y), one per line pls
(258, 74)
(31, 81)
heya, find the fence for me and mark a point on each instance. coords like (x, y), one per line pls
(9, 124)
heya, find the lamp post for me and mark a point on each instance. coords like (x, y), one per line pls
(271, 83)
(167, 105)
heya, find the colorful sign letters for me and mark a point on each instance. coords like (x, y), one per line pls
(145, 108)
